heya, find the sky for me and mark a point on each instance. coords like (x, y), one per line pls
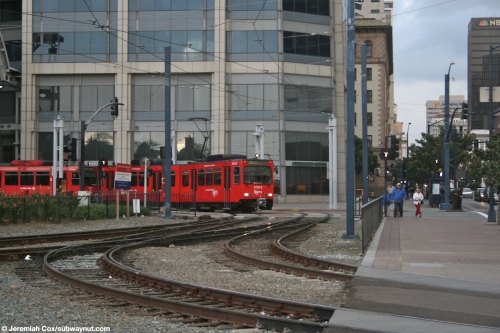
(427, 36)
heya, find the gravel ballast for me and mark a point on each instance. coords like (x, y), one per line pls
(51, 304)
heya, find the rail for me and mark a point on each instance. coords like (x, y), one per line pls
(371, 216)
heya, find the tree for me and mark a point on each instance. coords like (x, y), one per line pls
(372, 158)
(489, 165)
(149, 149)
(99, 145)
(427, 158)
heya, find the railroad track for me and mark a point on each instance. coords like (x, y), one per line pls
(101, 272)
(21, 246)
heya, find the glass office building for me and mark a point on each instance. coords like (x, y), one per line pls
(483, 33)
(234, 64)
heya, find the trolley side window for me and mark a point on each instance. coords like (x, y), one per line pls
(141, 179)
(75, 178)
(11, 178)
(258, 175)
(42, 178)
(185, 178)
(172, 178)
(217, 176)
(236, 175)
(201, 177)
(210, 176)
(27, 178)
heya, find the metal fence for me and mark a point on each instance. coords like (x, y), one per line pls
(95, 205)
(358, 204)
(371, 215)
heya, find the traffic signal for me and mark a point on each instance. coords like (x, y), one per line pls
(394, 147)
(476, 144)
(404, 170)
(114, 107)
(465, 111)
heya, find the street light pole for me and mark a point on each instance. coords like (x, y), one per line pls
(491, 212)
(446, 204)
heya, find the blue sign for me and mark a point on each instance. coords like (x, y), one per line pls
(122, 185)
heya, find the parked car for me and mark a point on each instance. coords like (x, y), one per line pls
(481, 194)
(467, 193)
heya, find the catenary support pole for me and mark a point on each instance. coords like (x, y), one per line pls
(364, 114)
(167, 161)
(350, 156)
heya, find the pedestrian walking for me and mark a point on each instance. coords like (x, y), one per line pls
(398, 196)
(390, 188)
(386, 201)
(418, 198)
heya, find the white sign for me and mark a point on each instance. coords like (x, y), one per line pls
(484, 94)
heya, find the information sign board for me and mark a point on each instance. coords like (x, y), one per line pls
(123, 176)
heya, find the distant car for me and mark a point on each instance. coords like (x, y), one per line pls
(481, 194)
(467, 193)
(495, 195)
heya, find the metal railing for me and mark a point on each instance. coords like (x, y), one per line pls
(371, 216)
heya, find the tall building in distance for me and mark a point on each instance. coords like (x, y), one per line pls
(378, 9)
(234, 63)
(483, 33)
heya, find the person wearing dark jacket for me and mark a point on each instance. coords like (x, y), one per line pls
(386, 201)
(399, 197)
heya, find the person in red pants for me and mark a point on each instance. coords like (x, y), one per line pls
(418, 197)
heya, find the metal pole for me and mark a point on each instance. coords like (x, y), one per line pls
(455, 165)
(167, 162)
(446, 204)
(332, 161)
(146, 162)
(407, 152)
(491, 212)
(350, 156)
(54, 158)
(82, 155)
(364, 116)
(60, 128)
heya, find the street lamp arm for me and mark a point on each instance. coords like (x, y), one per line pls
(99, 110)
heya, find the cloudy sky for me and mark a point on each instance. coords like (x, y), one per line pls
(428, 35)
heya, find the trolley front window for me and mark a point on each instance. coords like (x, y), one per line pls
(258, 175)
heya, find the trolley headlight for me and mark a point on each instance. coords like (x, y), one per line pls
(247, 194)
(269, 194)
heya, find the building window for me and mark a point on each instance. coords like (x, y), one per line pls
(243, 143)
(355, 73)
(368, 73)
(11, 11)
(369, 139)
(355, 96)
(368, 48)
(305, 146)
(253, 101)
(147, 144)
(307, 103)
(250, 5)
(375, 0)
(191, 146)
(369, 118)
(304, 44)
(193, 101)
(315, 7)
(55, 99)
(8, 109)
(369, 96)
(252, 41)
(375, 11)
